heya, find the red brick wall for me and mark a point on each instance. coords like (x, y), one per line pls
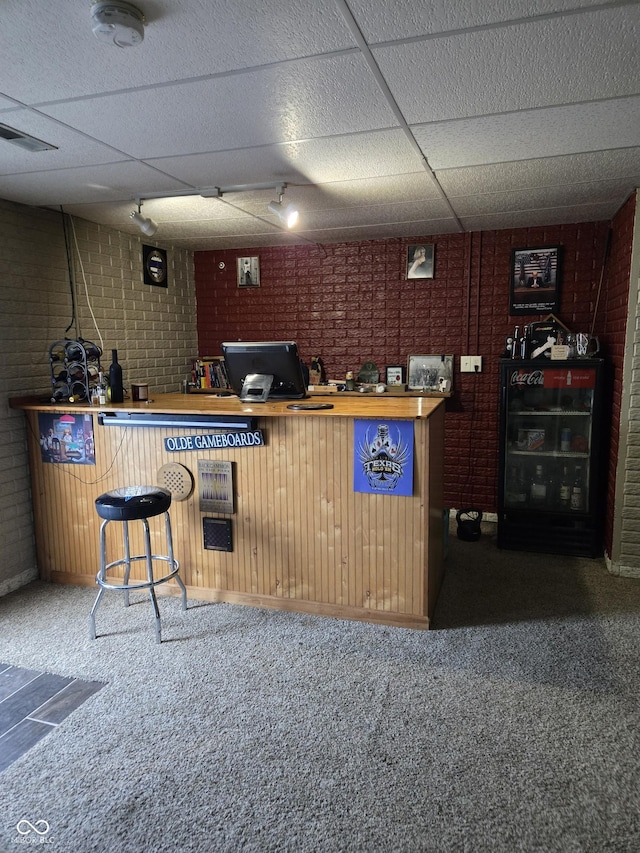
(616, 297)
(351, 302)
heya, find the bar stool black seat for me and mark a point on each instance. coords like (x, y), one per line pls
(135, 503)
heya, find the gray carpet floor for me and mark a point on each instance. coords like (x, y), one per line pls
(512, 726)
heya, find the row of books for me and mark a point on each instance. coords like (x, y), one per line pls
(210, 373)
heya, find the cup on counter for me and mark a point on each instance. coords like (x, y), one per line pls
(139, 391)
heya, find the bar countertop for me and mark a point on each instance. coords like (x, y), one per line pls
(370, 405)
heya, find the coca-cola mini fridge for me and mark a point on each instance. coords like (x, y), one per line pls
(550, 494)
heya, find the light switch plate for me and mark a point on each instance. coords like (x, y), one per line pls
(470, 364)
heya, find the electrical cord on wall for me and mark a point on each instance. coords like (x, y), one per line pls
(74, 320)
(86, 289)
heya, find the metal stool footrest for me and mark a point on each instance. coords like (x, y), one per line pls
(130, 586)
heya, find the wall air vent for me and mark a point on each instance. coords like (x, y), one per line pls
(23, 140)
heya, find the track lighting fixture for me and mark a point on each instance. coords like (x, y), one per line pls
(147, 226)
(288, 214)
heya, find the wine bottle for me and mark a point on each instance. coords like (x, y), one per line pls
(116, 389)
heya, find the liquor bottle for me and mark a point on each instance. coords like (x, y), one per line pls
(116, 389)
(577, 491)
(565, 489)
(515, 352)
(538, 488)
(525, 341)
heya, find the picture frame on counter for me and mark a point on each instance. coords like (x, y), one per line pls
(395, 375)
(535, 279)
(248, 272)
(420, 260)
(429, 372)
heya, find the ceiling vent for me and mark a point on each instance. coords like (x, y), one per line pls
(117, 23)
(23, 140)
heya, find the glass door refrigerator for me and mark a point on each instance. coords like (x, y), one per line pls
(551, 492)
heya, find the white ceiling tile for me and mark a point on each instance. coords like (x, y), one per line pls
(535, 133)
(532, 198)
(536, 64)
(72, 148)
(338, 158)
(320, 97)
(69, 186)
(542, 216)
(183, 39)
(550, 171)
(406, 18)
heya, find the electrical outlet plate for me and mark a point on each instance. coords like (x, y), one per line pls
(470, 363)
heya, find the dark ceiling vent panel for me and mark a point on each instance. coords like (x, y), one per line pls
(29, 143)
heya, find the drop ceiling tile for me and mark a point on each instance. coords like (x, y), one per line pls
(532, 134)
(549, 171)
(321, 97)
(540, 63)
(604, 192)
(543, 216)
(406, 18)
(72, 186)
(182, 40)
(71, 148)
(338, 158)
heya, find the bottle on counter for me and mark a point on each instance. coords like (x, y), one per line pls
(116, 389)
(350, 384)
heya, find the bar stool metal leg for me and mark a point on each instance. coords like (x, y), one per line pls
(173, 565)
(127, 560)
(152, 592)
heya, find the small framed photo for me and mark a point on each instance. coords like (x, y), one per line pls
(395, 375)
(248, 272)
(420, 261)
(535, 280)
(430, 373)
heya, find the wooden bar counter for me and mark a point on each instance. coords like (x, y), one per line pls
(302, 538)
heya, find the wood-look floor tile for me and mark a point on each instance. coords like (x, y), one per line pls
(67, 700)
(13, 678)
(20, 739)
(24, 701)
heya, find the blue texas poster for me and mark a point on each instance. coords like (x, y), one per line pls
(383, 457)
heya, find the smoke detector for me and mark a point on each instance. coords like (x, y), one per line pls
(117, 23)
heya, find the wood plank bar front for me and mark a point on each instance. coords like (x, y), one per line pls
(303, 539)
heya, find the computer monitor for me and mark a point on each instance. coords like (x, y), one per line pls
(279, 359)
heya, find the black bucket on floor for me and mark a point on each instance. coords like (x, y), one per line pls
(469, 521)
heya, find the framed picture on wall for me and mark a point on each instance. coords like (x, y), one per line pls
(535, 280)
(420, 261)
(425, 372)
(248, 272)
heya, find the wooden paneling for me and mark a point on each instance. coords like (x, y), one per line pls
(302, 538)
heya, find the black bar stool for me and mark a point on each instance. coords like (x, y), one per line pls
(135, 503)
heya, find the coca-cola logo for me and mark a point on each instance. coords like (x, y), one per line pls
(521, 377)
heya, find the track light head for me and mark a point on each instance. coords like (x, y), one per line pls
(147, 226)
(288, 214)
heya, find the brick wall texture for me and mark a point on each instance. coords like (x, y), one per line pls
(152, 328)
(351, 303)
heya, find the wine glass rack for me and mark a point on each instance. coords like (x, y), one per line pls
(75, 370)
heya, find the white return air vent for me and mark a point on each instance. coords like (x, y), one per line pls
(23, 140)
